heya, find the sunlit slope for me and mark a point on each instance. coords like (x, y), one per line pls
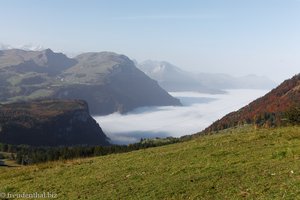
(258, 164)
(269, 110)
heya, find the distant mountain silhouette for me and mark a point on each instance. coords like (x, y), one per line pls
(268, 110)
(173, 78)
(109, 82)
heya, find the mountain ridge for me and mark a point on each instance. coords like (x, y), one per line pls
(172, 78)
(100, 78)
(268, 110)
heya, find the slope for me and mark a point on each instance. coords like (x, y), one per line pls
(111, 82)
(268, 110)
(257, 164)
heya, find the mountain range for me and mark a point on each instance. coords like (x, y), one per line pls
(109, 82)
(172, 78)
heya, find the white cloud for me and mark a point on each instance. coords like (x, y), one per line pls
(200, 111)
(27, 47)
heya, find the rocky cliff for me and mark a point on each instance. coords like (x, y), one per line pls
(49, 123)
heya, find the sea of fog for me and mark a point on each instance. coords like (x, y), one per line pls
(198, 111)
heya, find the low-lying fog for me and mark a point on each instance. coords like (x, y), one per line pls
(198, 112)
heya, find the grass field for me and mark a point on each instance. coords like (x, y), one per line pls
(243, 163)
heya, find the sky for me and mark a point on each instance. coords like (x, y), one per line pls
(238, 37)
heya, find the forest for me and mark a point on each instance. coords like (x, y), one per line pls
(26, 155)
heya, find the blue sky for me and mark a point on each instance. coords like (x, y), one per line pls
(228, 36)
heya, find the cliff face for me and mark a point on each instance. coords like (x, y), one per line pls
(49, 123)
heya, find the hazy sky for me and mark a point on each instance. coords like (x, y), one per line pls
(228, 36)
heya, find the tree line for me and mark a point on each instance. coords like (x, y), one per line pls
(26, 155)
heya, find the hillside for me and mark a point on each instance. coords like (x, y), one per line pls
(109, 82)
(172, 78)
(268, 110)
(241, 163)
(49, 123)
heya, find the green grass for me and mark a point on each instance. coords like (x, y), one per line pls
(243, 163)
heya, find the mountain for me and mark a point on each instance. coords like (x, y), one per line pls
(173, 78)
(46, 61)
(109, 82)
(49, 123)
(268, 110)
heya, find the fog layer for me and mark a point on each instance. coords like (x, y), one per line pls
(198, 112)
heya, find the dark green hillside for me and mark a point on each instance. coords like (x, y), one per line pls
(49, 123)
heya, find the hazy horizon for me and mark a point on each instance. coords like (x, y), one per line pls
(31, 47)
(233, 37)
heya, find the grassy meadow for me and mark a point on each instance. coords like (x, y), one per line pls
(237, 163)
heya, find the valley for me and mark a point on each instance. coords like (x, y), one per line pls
(199, 110)
(235, 157)
(154, 100)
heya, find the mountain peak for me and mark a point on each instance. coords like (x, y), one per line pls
(159, 68)
(48, 51)
(102, 62)
(103, 56)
